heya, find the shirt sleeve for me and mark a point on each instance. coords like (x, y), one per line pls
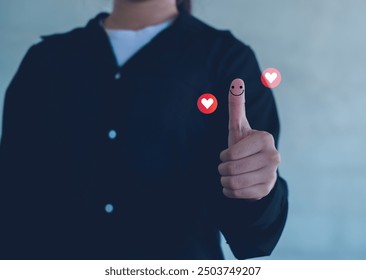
(251, 228)
(23, 113)
(23, 123)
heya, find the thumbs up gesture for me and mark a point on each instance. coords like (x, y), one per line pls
(249, 164)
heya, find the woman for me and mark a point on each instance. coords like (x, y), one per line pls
(105, 154)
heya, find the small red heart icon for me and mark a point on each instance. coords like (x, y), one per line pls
(207, 103)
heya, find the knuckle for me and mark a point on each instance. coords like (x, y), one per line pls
(223, 155)
(278, 158)
(221, 168)
(231, 182)
(267, 139)
(231, 168)
(222, 181)
(266, 190)
(275, 157)
(264, 134)
(228, 193)
(230, 154)
(273, 177)
(236, 194)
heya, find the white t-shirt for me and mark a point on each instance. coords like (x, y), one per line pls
(126, 43)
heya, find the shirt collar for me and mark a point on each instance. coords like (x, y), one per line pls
(183, 21)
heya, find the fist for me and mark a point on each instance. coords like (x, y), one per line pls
(249, 164)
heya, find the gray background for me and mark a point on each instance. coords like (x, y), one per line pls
(319, 47)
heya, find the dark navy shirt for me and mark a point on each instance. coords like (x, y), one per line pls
(105, 162)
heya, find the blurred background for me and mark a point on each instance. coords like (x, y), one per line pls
(320, 49)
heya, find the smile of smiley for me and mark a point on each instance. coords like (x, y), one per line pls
(237, 94)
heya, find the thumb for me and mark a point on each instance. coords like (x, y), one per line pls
(239, 126)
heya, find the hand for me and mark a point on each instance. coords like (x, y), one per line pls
(249, 164)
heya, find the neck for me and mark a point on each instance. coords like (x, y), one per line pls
(137, 14)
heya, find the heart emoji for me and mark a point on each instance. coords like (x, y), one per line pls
(271, 77)
(207, 102)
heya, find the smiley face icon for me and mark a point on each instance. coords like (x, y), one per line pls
(237, 87)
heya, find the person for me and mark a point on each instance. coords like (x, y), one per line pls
(105, 155)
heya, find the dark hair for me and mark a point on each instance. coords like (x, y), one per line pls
(185, 5)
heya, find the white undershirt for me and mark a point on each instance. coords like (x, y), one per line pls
(126, 43)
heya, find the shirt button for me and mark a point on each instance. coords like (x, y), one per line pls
(108, 208)
(112, 134)
(117, 76)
